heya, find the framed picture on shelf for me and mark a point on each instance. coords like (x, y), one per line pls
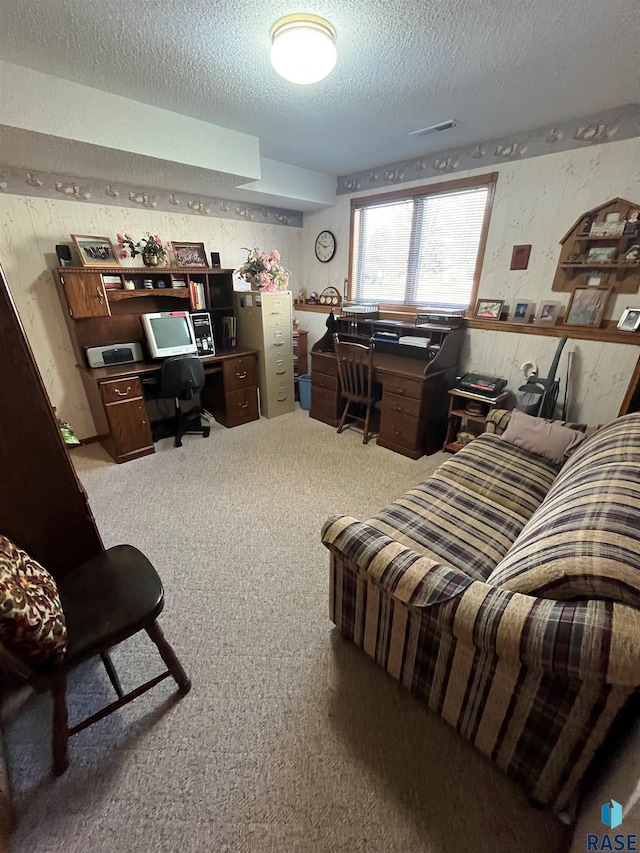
(630, 320)
(95, 251)
(587, 306)
(601, 254)
(189, 254)
(547, 314)
(523, 311)
(489, 309)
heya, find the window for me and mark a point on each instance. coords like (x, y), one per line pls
(421, 247)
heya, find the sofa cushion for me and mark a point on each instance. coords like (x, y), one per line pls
(543, 437)
(584, 540)
(32, 623)
(471, 510)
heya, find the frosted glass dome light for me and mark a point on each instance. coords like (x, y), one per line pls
(303, 48)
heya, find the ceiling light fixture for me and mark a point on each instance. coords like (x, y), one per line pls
(303, 48)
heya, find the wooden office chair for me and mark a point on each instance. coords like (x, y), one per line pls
(355, 371)
(105, 600)
(181, 377)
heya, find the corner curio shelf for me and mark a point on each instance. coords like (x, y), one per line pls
(574, 268)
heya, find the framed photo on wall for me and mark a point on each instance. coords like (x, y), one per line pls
(95, 251)
(189, 254)
(587, 306)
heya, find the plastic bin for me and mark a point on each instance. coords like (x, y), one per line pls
(304, 384)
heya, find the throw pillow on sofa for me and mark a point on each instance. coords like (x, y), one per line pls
(539, 436)
(32, 623)
(583, 541)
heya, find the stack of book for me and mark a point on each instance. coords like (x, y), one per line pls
(196, 290)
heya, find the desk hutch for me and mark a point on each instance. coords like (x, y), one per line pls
(415, 380)
(97, 315)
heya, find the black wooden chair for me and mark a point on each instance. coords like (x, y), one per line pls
(355, 371)
(181, 378)
(105, 600)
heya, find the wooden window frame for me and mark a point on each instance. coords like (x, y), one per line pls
(489, 180)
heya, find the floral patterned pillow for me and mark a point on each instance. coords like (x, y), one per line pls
(32, 623)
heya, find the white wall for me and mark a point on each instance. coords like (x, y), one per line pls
(537, 201)
(31, 227)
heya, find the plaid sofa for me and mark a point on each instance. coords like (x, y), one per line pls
(505, 593)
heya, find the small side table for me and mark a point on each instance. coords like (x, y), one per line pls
(470, 410)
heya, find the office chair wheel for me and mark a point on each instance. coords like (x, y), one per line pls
(206, 431)
(177, 442)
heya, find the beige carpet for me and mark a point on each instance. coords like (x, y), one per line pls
(291, 739)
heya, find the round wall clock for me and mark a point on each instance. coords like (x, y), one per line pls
(325, 246)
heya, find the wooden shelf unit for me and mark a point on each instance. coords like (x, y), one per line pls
(458, 415)
(573, 266)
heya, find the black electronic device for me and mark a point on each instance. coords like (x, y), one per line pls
(215, 260)
(64, 254)
(203, 333)
(441, 318)
(476, 383)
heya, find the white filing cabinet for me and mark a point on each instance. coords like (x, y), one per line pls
(264, 322)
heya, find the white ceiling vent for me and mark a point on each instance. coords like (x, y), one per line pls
(435, 128)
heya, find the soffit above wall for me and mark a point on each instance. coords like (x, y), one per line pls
(498, 67)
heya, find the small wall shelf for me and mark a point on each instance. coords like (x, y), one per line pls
(574, 266)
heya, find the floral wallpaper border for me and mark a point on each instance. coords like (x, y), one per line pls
(611, 125)
(32, 182)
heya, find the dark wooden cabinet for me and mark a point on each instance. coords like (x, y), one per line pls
(232, 394)
(43, 507)
(326, 401)
(126, 413)
(85, 294)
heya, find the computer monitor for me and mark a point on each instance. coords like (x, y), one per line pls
(169, 333)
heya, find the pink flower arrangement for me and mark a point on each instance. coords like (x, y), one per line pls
(148, 245)
(263, 269)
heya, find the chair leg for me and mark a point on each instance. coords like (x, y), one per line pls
(169, 657)
(60, 733)
(111, 672)
(179, 425)
(366, 423)
(343, 418)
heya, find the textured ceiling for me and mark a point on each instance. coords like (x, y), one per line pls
(497, 66)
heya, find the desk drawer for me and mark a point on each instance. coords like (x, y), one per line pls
(278, 370)
(326, 406)
(239, 373)
(399, 429)
(326, 364)
(116, 390)
(323, 380)
(403, 386)
(278, 341)
(403, 405)
(241, 406)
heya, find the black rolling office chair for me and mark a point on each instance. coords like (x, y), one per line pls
(181, 377)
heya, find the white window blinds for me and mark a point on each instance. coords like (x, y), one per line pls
(422, 250)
